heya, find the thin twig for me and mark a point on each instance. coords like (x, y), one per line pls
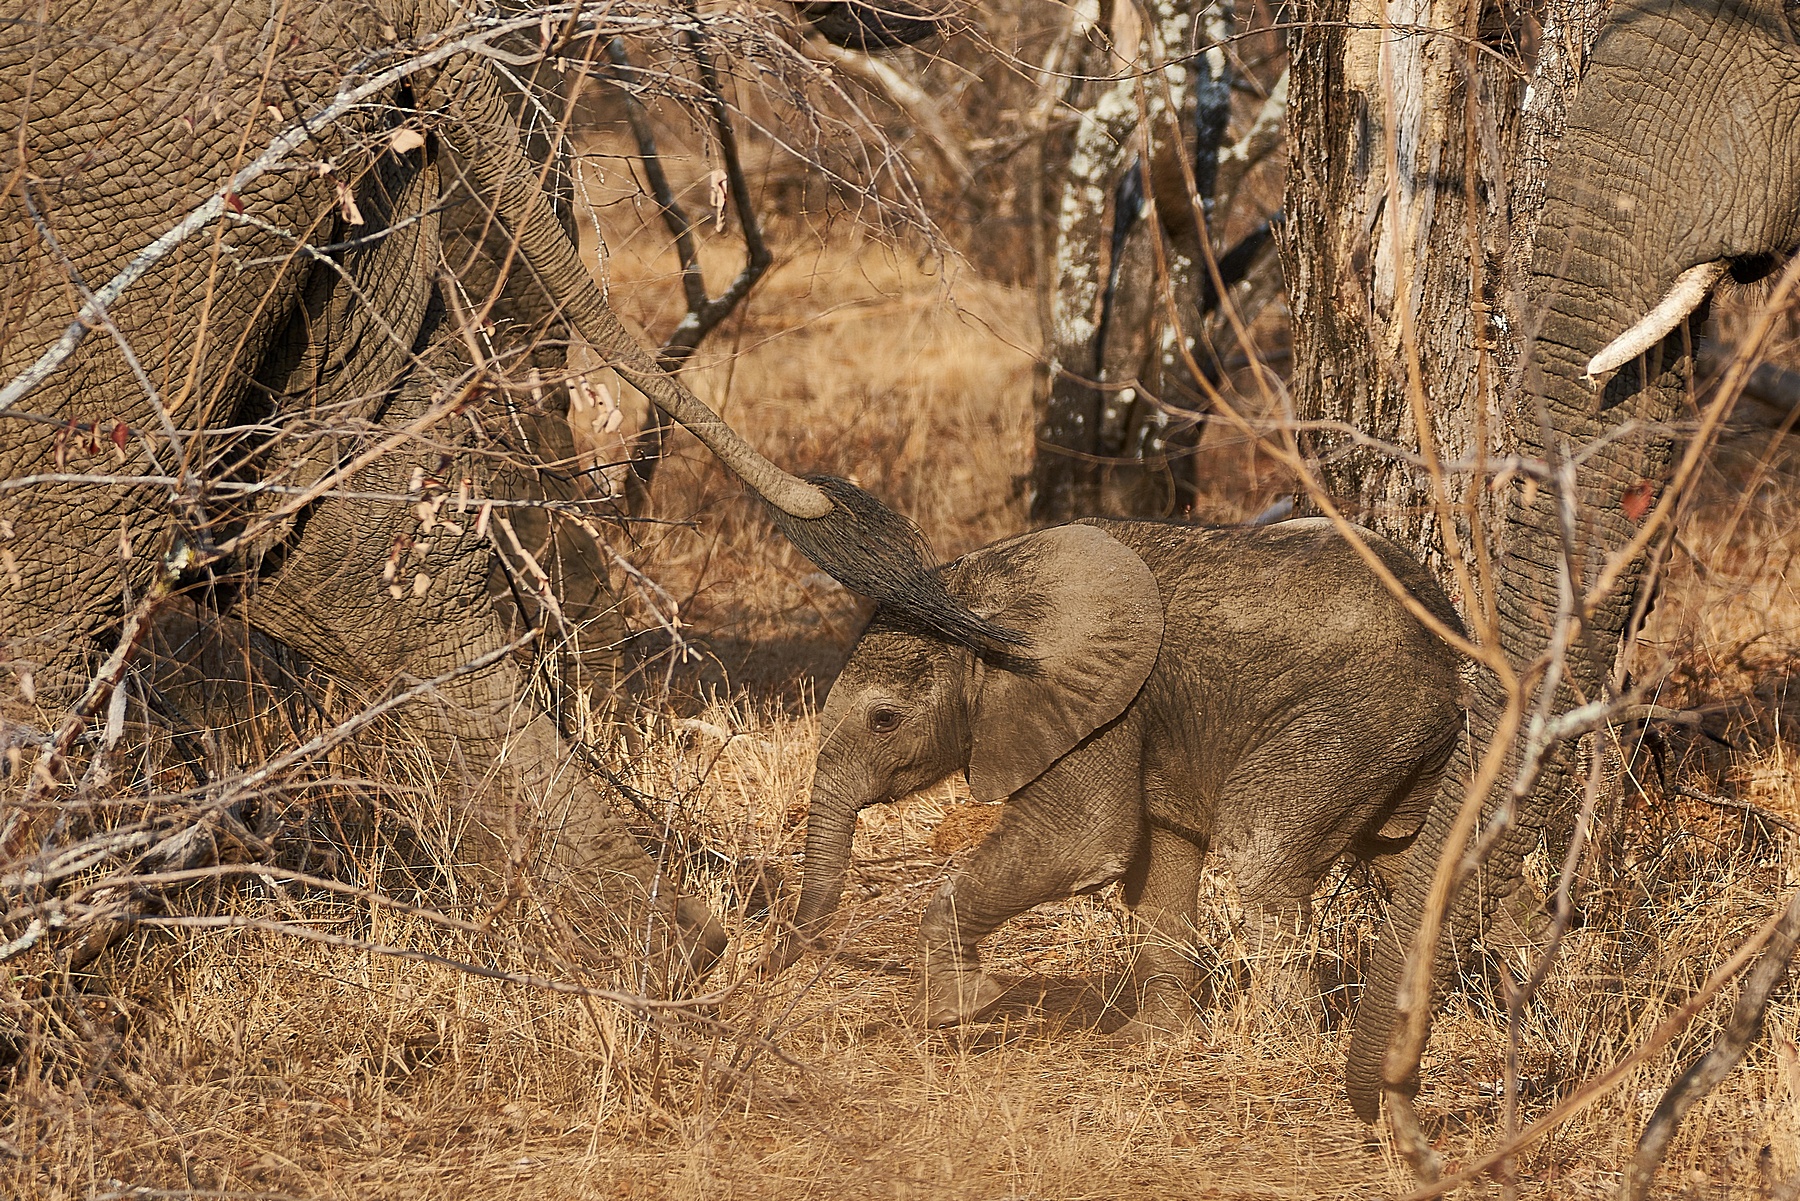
(911, 100)
(1567, 1108)
(1725, 802)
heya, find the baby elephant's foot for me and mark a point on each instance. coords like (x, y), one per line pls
(1136, 1032)
(1288, 992)
(1139, 1031)
(1165, 1012)
(957, 996)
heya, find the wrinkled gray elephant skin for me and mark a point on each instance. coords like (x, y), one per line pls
(130, 116)
(1681, 163)
(876, 25)
(1256, 692)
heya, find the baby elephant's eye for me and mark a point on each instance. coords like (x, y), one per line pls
(884, 720)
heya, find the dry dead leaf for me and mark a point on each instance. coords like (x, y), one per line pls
(347, 203)
(717, 181)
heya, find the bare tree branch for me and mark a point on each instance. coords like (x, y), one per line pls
(1705, 1073)
(913, 101)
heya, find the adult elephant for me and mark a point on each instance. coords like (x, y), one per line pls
(321, 298)
(1680, 164)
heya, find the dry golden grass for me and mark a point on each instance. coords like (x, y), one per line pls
(246, 1063)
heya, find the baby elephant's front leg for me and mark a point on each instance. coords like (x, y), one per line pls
(956, 989)
(1162, 891)
(1042, 849)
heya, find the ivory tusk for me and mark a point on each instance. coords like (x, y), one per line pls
(1691, 287)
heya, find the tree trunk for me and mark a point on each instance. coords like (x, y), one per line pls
(1104, 437)
(1399, 251)
(1450, 229)
(1066, 474)
(1416, 181)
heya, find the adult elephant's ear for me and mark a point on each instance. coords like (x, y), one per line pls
(1092, 615)
(876, 25)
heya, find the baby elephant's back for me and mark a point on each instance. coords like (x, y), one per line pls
(1289, 625)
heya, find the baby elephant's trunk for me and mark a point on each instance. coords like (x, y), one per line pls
(829, 826)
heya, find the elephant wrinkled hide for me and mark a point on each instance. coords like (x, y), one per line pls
(131, 117)
(876, 25)
(1255, 692)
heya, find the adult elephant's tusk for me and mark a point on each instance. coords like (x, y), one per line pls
(1691, 288)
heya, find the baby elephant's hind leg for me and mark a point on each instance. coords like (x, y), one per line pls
(1277, 912)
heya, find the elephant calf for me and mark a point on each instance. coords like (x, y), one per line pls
(1255, 691)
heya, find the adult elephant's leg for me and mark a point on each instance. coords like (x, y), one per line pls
(1163, 894)
(1076, 828)
(529, 801)
(76, 558)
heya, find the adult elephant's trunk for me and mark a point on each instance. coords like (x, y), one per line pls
(1540, 565)
(830, 824)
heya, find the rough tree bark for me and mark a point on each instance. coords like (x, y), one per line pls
(1419, 132)
(1137, 90)
(1065, 476)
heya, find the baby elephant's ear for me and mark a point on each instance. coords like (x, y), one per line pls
(1093, 614)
